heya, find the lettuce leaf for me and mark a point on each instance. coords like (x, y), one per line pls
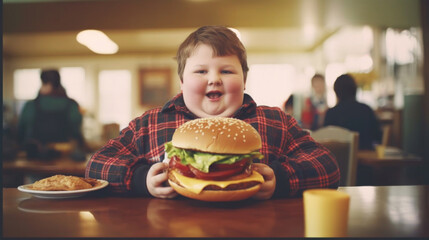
(202, 161)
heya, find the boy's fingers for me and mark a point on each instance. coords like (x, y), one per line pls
(263, 169)
(166, 192)
(159, 179)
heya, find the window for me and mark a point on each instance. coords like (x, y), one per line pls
(73, 80)
(115, 98)
(27, 83)
(271, 84)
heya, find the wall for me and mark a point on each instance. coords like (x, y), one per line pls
(93, 65)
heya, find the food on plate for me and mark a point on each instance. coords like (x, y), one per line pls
(64, 183)
(210, 159)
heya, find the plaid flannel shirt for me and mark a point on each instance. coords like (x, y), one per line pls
(298, 161)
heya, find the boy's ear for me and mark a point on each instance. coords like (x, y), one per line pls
(181, 86)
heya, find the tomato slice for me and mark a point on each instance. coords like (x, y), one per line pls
(220, 167)
(221, 171)
(216, 171)
(183, 169)
(215, 175)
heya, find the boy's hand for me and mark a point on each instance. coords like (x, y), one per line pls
(269, 186)
(156, 177)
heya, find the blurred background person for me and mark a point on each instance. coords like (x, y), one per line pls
(315, 106)
(353, 115)
(288, 105)
(52, 117)
(289, 109)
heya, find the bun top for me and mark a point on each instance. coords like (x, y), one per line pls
(217, 135)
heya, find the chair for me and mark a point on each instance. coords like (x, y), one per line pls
(343, 144)
(386, 136)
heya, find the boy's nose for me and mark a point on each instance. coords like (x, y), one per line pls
(214, 79)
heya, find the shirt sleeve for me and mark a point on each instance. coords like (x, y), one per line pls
(298, 161)
(308, 163)
(118, 162)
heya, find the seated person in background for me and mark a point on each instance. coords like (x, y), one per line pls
(353, 115)
(315, 106)
(212, 67)
(288, 107)
(50, 118)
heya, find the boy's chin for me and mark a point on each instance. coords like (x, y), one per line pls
(211, 113)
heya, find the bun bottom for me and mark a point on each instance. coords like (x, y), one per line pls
(217, 195)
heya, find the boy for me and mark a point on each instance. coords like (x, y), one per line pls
(212, 67)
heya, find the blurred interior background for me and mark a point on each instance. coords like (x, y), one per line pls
(380, 42)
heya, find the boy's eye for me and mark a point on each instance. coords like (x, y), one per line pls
(201, 71)
(226, 72)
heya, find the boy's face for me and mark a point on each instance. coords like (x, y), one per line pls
(212, 86)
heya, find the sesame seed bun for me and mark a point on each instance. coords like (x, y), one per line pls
(217, 135)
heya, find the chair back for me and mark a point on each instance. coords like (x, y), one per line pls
(343, 144)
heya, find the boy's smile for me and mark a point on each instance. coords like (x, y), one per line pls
(214, 95)
(212, 85)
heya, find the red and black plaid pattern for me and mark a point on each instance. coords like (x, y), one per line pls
(298, 161)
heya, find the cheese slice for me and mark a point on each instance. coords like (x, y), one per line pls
(197, 185)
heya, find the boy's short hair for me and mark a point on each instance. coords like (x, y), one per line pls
(223, 41)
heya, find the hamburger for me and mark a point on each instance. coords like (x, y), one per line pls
(210, 159)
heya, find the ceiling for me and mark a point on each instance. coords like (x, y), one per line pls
(49, 27)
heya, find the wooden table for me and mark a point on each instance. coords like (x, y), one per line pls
(394, 168)
(392, 157)
(393, 211)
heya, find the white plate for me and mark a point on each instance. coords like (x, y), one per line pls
(61, 194)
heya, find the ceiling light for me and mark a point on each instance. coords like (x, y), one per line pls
(97, 41)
